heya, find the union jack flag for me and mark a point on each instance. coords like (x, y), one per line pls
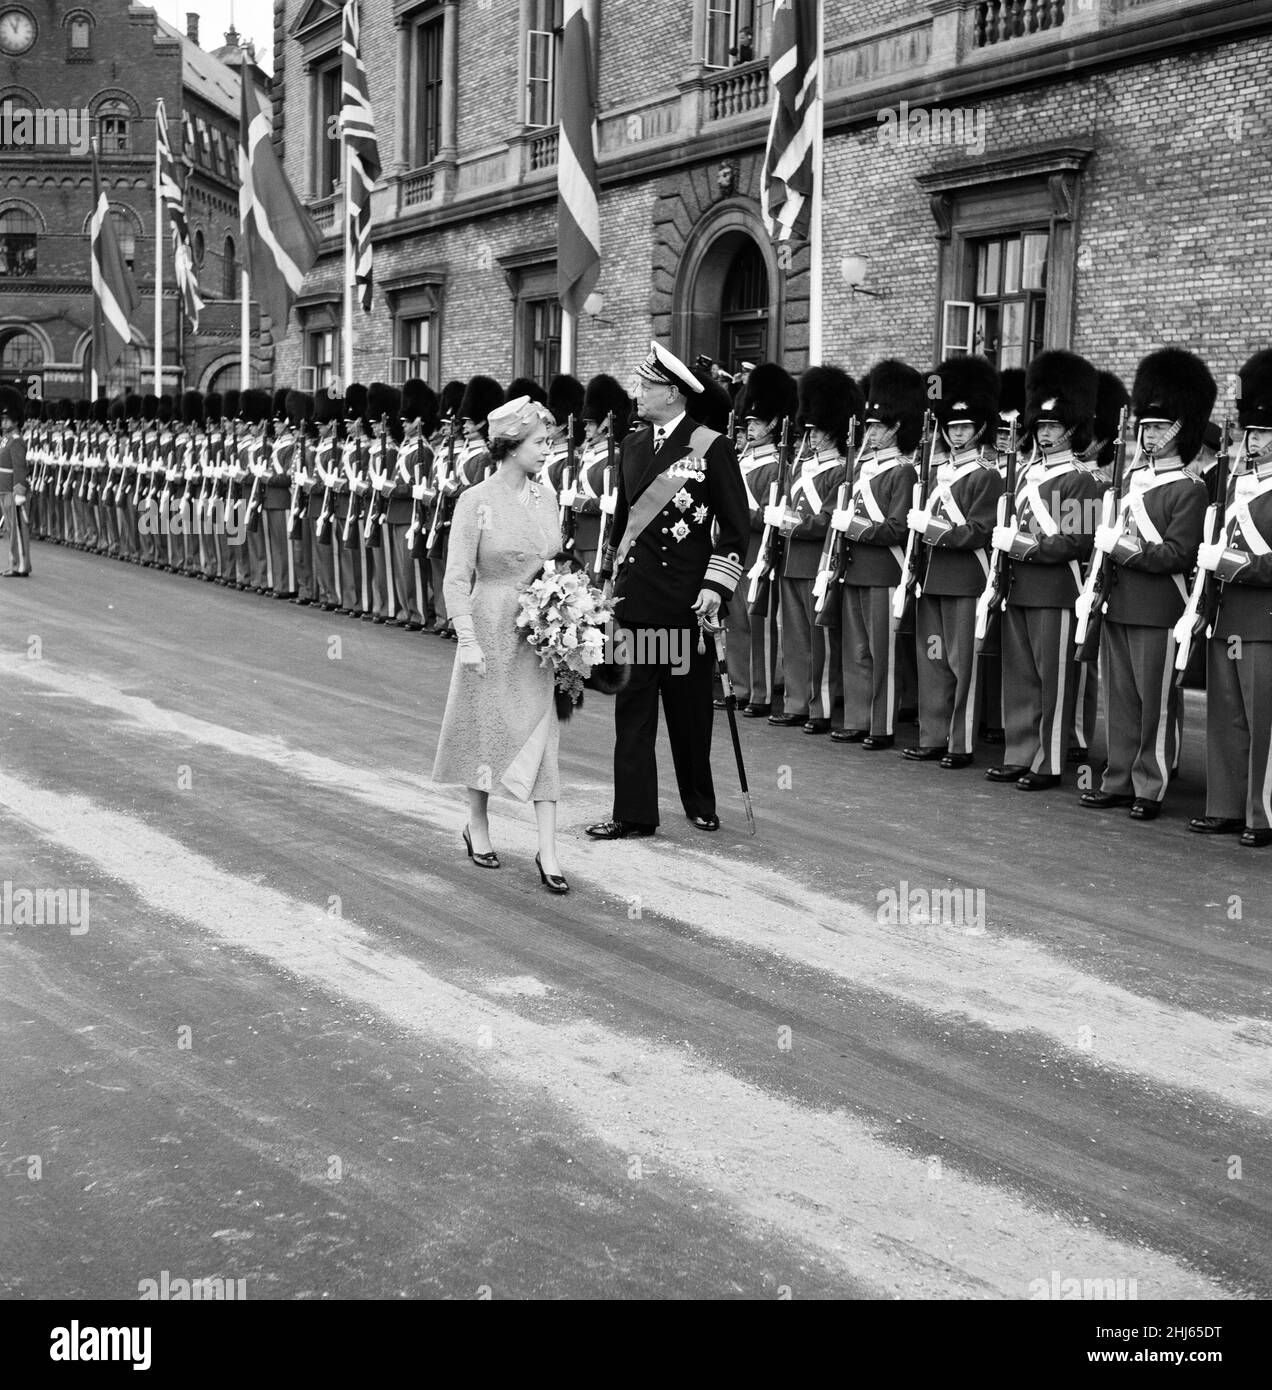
(786, 180)
(174, 200)
(357, 129)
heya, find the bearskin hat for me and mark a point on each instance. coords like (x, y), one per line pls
(1011, 394)
(1174, 384)
(968, 393)
(212, 407)
(419, 402)
(355, 401)
(829, 400)
(327, 407)
(149, 407)
(769, 393)
(526, 386)
(83, 409)
(482, 395)
(451, 399)
(1062, 386)
(254, 405)
(604, 396)
(168, 409)
(382, 399)
(299, 406)
(1254, 409)
(710, 406)
(895, 396)
(279, 403)
(192, 407)
(132, 406)
(230, 402)
(12, 404)
(565, 397)
(115, 411)
(1111, 396)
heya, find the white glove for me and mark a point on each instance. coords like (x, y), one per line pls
(419, 491)
(567, 495)
(840, 518)
(918, 519)
(775, 515)
(449, 487)
(1209, 555)
(1106, 537)
(1004, 537)
(609, 503)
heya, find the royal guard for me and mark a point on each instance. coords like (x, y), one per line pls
(384, 427)
(955, 529)
(295, 460)
(192, 477)
(679, 534)
(768, 397)
(254, 453)
(1111, 397)
(1057, 505)
(210, 492)
(605, 412)
(561, 463)
(320, 505)
(349, 491)
(472, 462)
(1152, 543)
(1239, 653)
(408, 503)
(13, 483)
(875, 525)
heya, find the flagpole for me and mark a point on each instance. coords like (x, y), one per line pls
(347, 326)
(158, 262)
(815, 229)
(569, 331)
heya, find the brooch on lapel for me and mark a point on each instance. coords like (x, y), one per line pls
(682, 501)
(691, 468)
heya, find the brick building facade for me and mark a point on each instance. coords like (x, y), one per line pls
(1010, 174)
(112, 61)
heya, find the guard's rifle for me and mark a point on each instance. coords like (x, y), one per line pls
(377, 503)
(609, 494)
(1202, 609)
(412, 448)
(254, 499)
(296, 506)
(762, 591)
(354, 515)
(232, 483)
(444, 504)
(63, 455)
(207, 481)
(327, 512)
(188, 465)
(903, 601)
(138, 443)
(1089, 608)
(836, 556)
(569, 486)
(989, 607)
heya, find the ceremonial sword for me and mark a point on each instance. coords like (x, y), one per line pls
(730, 704)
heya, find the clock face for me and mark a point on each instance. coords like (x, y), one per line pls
(17, 32)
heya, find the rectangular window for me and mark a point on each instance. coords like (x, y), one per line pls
(426, 92)
(1010, 300)
(543, 338)
(737, 31)
(416, 344)
(543, 52)
(328, 164)
(112, 134)
(79, 35)
(18, 241)
(320, 352)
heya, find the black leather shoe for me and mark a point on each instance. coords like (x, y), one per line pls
(1255, 839)
(878, 743)
(554, 883)
(1102, 801)
(1008, 772)
(1215, 825)
(483, 861)
(619, 830)
(924, 755)
(849, 735)
(817, 726)
(757, 711)
(787, 721)
(1038, 781)
(704, 822)
(956, 760)
(1143, 809)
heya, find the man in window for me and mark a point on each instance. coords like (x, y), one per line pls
(13, 484)
(745, 50)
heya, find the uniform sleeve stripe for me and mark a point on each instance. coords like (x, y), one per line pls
(723, 571)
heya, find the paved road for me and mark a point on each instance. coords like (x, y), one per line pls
(304, 1043)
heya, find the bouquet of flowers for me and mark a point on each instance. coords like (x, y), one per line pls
(565, 621)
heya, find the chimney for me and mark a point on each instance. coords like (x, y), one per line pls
(192, 27)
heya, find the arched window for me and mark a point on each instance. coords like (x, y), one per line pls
(128, 374)
(199, 248)
(224, 378)
(230, 277)
(18, 241)
(744, 308)
(20, 352)
(112, 127)
(127, 234)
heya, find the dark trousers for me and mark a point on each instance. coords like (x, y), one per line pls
(1239, 732)
(1040, 687)
(686, 705)
(1141, 721)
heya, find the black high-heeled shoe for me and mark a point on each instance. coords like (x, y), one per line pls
(554, 883)
(483, 861)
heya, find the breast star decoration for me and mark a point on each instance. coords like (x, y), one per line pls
(680, 530)
(682, 500)
(700, 514)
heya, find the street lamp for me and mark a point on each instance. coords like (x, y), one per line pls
(854, 270)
